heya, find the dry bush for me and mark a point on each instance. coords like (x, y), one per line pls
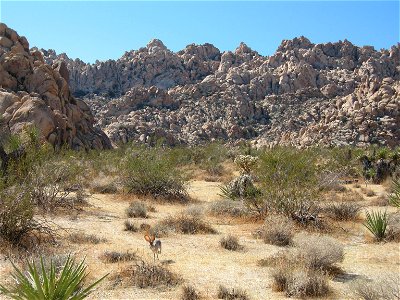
(319, 252)
(144, 275)
(115, 256)
(368, 192)
(348, 196)
(296, 279)
(190, 293)
(186, 224)
(136, 210)
(277, 230)
(380, 201)
(279, 258)
(385, 288)
(343, 211)
(83, 238)
(231, 243)
(231, 294)
(394, 227)
(228, 208)
(195, 211)
(130, 226)
(330, 181)
(100, 187)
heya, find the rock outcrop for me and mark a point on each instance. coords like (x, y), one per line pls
(304, 94)
(33, 93)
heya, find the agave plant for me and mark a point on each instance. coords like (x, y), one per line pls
(41, 283)
(394, 197)
(376, 223)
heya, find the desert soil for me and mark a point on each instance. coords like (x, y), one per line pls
(198, 259)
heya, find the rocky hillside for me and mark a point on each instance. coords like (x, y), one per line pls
(35, 93)
(304, 94)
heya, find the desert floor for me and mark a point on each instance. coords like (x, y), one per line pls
(198, 259)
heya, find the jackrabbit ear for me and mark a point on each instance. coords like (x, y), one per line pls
(147, 238)
(153, 237)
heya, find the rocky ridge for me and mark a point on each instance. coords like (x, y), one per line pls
(35, 93)
(305, 94)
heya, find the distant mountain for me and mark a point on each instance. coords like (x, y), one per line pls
(35, 93)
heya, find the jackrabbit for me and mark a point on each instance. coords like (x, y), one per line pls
(155, 247)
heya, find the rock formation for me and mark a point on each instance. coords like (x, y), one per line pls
(305, 94)
(33, 93)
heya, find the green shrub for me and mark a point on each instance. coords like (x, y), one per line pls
(376, 223)
(16, 214)
(152, 174)
(50, 284)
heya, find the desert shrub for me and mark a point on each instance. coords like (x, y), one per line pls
(292, 276)
(385, 288)
(83, 238)
(231, 243)
(50, 283)
(52, 184)
(209, 157)
(380, 201)
(186, 224)
(115, 256)
(195, 211)
(279, 258)
(368, 192)
(242, 188)
(144, 275)
(343, 211)
(394, 197)
(190, 293)
(16, 214)
(288, 179)
(129, 226)
(329, 180)
(103, 185)
(394, 227)
(231, 294)
(136, 210)
(228, 208)
(376, 223)
(277, 231)
(319, 252)
(149, 173)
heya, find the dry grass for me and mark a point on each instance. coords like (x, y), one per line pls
(147, 275)
(277, 230)
(343, 211)
(185, 224)
(115, 256)
(380, 201)
(136, 210)
(368, 192)
(231, 294)
(393, 233)
(230, 243)
(83, 238)
(190, 293)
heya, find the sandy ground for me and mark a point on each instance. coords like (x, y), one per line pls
(199, 260)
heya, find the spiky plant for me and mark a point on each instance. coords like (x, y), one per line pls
(376, 223)
(41, 283)
(394, 197)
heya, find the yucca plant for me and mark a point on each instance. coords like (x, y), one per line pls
(41, 283)
(394, 197)
(376, 223)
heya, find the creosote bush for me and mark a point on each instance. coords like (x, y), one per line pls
(136, 210)
(186, 224)
(231, 294)
(152, 173)
(231, 243)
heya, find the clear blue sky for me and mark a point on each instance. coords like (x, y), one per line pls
(103, 30)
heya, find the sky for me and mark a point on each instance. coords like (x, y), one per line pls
(105, 30)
